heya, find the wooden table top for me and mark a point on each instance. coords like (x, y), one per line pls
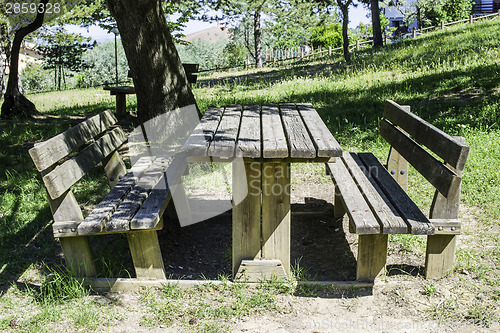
(120, 89)
(284, 132)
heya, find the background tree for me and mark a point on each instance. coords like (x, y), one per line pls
(63, 51)
(376, 25)
(344, 10)
(26, 17)
(159, 78)
(251, 13)
(326, 36)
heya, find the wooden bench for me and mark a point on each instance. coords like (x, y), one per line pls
(134, 206)
(375, 200)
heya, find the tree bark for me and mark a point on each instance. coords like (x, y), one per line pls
(160, 82)
(257, 38)
(344, 8)
(2, 76)
(377, 29)
(15, 103)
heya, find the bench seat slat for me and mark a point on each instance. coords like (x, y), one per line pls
(418, 223)
(94, 222)
(47, 153)
(390, 220)
(440, 176)
(150, 213)
(120, 220)
(359, 212)
(67, 174)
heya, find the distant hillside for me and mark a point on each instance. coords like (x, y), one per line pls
(212, 34)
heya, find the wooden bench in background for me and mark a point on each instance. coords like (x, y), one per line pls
(375, 200)
(134, 206)
(121, 92)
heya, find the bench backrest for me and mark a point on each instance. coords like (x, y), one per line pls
(407, 133)
(64, 159)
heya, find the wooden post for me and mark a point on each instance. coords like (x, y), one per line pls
(440, 252)
(121, 105)
(77, 250)
(276, 213)
(146, 254)
(114, 168)
(471, 20)
(442, 25)
(372, 256)
(414, 33)
(246, 213)
(329, 51)
(398, 168)
(358, 47)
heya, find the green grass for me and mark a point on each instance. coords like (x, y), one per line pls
(450, 78)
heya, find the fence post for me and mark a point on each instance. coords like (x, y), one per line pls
(329, 51)
(442, 25)
(471, 20)
(414, 33)
(357, 45)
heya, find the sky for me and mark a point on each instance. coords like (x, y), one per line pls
(356, 14)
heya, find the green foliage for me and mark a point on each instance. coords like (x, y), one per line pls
(100, 63)
(35, 78)
(234, 54)
(327, 36)
(449, 11)
(207, 54)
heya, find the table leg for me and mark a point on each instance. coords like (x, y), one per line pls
(121, 105)
(246, 212)
(276, 213)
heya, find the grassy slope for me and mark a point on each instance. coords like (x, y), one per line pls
(450, 78)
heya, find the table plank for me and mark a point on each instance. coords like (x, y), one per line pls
(198, 142)
(274, 140)
(224, 141)
(297, 135)
(249, 144)
(323, 140)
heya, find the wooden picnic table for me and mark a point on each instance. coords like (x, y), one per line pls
(261, 142)
(121, 93)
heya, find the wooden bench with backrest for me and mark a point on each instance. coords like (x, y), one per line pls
(134, 206)
(375, 200)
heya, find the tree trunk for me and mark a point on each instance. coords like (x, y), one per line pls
(257, 38)
(377, 29)
(15, 103)
(2, 76)
(344, 8)
(160, 81)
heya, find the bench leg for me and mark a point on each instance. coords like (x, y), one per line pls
(146, 254)
(440, 255)
(338, 205)
(372, 256)
(78, 255)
